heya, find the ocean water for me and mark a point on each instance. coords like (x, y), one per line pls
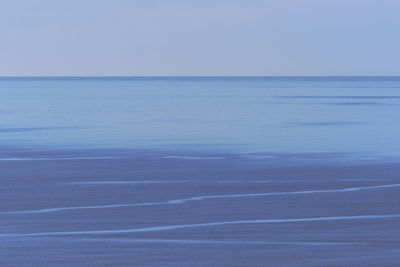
(193, 171)
(273, 115)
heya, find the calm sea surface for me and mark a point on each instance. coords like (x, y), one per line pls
(200, 171)
(289, 115)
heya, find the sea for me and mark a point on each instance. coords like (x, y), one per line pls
(199, 171)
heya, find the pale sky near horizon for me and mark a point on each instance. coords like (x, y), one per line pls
(199, 37)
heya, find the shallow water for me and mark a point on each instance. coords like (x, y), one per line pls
(199, 171)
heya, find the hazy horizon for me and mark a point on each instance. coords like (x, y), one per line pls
(199, 38)
(202, 76)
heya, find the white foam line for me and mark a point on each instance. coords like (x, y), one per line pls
(192, 157)
(71, 158)
(207, 182)
(174, 181)
(276, 181)
(200, 225)
(359, 180)
(84, 207)
(261, 181)
(217, 242)
(198, 198)
(131, 182)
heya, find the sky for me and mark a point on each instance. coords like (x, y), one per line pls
(199, 37)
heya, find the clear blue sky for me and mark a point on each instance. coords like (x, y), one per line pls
(199, 37)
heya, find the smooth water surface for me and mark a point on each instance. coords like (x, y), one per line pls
(290, 115)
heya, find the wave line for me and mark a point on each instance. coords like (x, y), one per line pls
(200, 225)
(205, 197)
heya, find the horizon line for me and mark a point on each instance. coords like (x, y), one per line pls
(197, 76)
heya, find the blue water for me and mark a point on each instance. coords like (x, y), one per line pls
(260, 114)
(200, 171)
